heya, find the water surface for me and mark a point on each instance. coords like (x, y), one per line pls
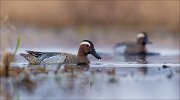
(115, 76)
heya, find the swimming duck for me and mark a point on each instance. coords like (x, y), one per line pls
(86, 47)
(131, 48)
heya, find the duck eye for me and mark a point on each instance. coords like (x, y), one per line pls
(87, 45)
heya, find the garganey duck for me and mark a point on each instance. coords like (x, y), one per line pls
(86, 47)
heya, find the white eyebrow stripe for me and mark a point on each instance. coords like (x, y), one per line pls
(85, 43)
(140, 35)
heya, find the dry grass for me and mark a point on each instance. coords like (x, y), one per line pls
(5, 66)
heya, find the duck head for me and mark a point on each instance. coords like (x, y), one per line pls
(87, 47)
(143, 39)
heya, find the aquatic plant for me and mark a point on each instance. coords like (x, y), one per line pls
(16, 49)
(7, 58)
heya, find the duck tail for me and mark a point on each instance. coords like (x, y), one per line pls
(24, 55)
(30, 58)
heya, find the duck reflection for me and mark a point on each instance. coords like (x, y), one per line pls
(10, 86)
(26, 83)
(6, 89)
(77, 79)
(139, 59)
(143, 70)
(79, 67)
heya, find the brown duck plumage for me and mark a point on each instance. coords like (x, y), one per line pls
(86, 47)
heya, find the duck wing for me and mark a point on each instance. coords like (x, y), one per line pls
(49, 57)
(120, 44)
(42, 54)
(120, 48)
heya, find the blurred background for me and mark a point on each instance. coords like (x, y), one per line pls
(64, 24)
(61, 25)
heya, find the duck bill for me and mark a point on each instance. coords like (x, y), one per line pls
(93, 52)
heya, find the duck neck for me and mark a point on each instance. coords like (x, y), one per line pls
(141, 43)
(81, 54)
(141, 47)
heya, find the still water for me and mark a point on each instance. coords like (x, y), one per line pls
(114, 77)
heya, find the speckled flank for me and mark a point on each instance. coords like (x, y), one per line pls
(30, 58)
(48, 58)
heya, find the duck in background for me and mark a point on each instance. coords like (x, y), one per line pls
(133, 48)
(135, 51)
